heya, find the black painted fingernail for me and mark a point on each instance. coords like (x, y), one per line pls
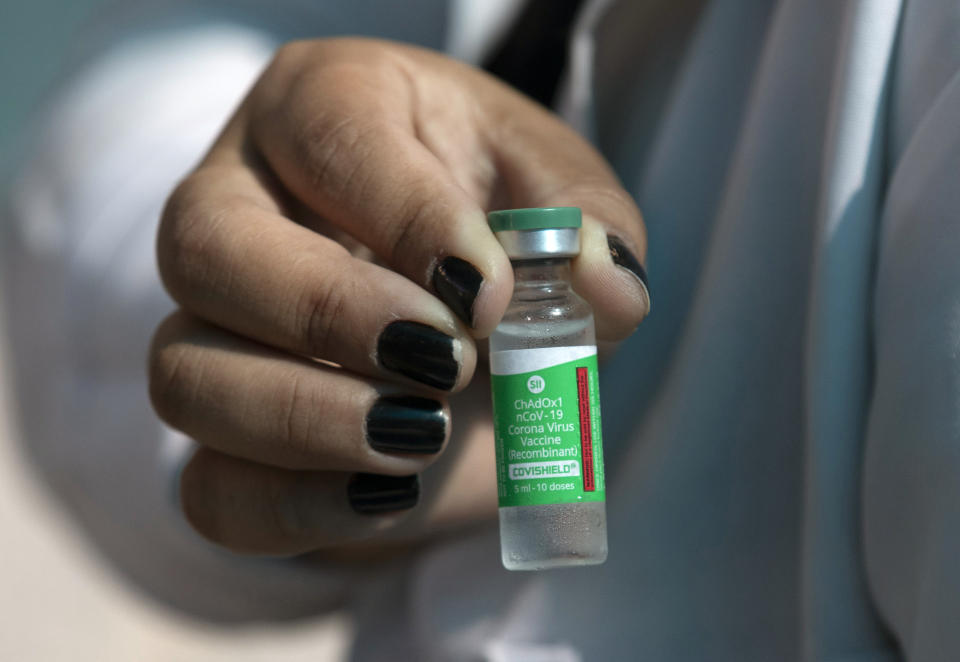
(419, 352)
(373, 493)
(622, 257)
(457, 283)
(406, 424)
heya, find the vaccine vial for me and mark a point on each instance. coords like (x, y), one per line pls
(546, 405)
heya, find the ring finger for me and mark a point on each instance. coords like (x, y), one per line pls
(252, 402)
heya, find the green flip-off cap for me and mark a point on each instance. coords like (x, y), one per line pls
(534, 218)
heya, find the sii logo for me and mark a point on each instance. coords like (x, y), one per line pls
(536, 384)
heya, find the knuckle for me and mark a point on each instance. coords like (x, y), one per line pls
(317, 313)
(199, 484)
(173, 379)
(298, 411)
(336, 147)
(285, 510)
(179, 212)
(325, 141)
(618, 200)
(615, 202)
(186, 246)
(411, 225)
(249, 509)
(357, 63)
(291, 54)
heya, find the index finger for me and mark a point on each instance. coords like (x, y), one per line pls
(345, 137)
(387, 147)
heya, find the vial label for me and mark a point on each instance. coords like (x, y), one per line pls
(546, 414)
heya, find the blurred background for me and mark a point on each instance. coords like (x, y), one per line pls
(36, 36)
(59, 599)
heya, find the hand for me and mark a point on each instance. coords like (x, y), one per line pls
(334, 269)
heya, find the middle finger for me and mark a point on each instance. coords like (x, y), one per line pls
(230, 260)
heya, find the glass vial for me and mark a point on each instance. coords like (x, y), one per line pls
(546, 406)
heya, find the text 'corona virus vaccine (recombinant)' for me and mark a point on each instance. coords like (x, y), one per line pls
(546, 404)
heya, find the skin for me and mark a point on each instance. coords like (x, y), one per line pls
(315, 220)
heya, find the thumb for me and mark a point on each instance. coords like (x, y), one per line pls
(542, 162)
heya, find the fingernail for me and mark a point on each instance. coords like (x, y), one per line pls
(373, 493)
(419, 352)
(457, 283)
(622, 257)
(406, 424)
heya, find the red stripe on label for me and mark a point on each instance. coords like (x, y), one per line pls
(586, 438)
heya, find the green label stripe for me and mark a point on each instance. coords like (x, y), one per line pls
(547, 429)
